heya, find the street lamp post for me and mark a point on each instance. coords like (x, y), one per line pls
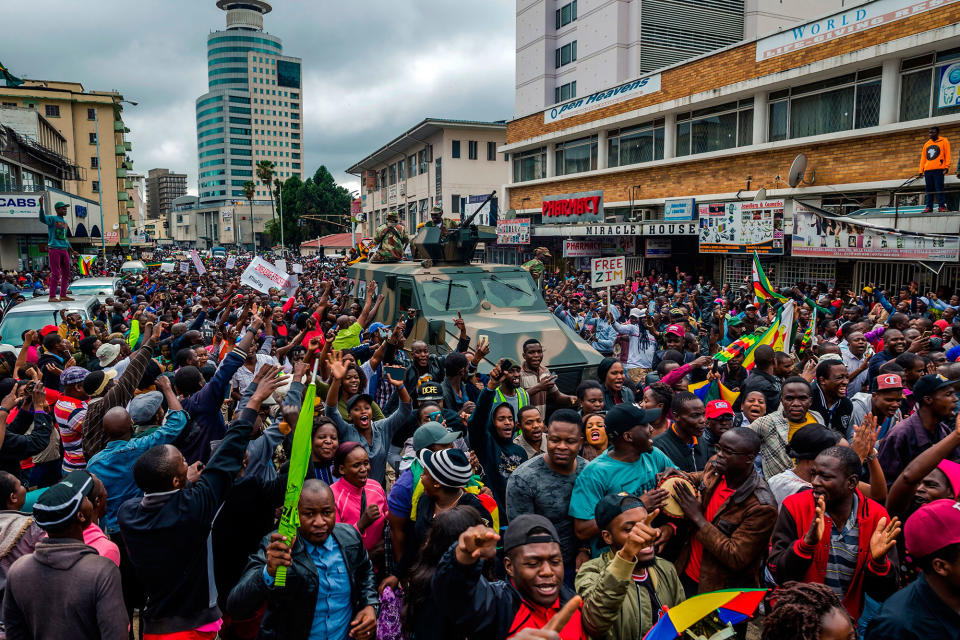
(103, 233)
(253, 231)
(283, 245)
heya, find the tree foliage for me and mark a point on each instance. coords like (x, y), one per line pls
(315, 207)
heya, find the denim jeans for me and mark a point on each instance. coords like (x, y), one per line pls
(934, 184)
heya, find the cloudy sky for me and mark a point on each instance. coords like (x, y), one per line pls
(371, 69)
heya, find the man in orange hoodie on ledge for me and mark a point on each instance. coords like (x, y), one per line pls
(934, 164)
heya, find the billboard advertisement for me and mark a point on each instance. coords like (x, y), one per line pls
(821, 237)
(742, 227)
(586, 206)
(516, 231)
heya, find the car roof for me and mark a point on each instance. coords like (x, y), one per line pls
(44, 304)
(132, 263)
(92, 282)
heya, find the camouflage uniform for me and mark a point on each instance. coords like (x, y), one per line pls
(391, 239)
(445, 225)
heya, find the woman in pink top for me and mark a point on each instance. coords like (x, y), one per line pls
(359, 501)
(93, 535)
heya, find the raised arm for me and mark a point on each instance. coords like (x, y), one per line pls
(367, 313)
(905, 486)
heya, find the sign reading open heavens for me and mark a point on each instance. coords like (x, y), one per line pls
(626, 91)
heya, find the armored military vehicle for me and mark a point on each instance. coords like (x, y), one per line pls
(495, 300)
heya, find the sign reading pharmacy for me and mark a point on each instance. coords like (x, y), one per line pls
(626, 91)
(844, 23)
(573, 207)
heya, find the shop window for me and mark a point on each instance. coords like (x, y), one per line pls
(643, 143)
(576, 156)
(716, 128)
(851, 101)
(920, 90)
(530, 165)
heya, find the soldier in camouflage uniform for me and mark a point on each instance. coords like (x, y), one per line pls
(437, 220)
(391, 238)
(535, 266)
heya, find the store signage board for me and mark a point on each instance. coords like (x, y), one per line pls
(515, 231)
(844, 23)
(742, 227)
(581, 248)
(658, 248)
(641, 229)
(679, 210)
(586, 206)
(600, 99)
(820, 237)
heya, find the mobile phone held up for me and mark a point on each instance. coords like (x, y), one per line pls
(395, 373)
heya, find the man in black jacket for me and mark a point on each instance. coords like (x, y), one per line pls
(306, 607)
(167, 532)
(830, 395)
(533, 594)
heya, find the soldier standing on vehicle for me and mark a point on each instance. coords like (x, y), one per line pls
(536, 267)
(446, 225)
(391, 238)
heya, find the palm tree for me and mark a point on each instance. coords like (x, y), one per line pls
(265, 170)
(249, 188)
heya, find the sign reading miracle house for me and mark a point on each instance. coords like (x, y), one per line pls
(626, 91)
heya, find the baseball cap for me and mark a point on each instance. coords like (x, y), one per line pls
(809, 441)
(626, 416)
(428, 390)
(449, 467)
(717, 408)
(942, 324)
(676, 330)
(951, 469)
(357, 397)
(751, 306)
(60, 203)
(529, 528)
(611, 506)
(544, 251)
(509, 364)
(734, 321)
(96, 382)
(61, 502)
(430, 433)
(47, 330)
(636, 313)
(107, 353)
(144, 406)
(930, 384)
(73, 375)
(868, 289)
(932, 527)
(887, 381)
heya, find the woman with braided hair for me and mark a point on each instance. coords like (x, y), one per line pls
(807, 611)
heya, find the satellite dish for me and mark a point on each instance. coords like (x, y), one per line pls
(797, 171)
(511, 213)
(761, 195)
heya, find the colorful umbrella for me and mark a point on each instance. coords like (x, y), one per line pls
(731, 605)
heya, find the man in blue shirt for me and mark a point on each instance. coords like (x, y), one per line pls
(630, 466)
(330, 592)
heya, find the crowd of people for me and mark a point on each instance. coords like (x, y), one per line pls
(145, 454)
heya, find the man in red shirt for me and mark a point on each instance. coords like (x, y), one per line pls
(731, 521)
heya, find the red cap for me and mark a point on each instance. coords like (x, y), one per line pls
(47, 330)
(888, 381)
(943, 324)
(932, 527)
(676, 330)
(717, 408)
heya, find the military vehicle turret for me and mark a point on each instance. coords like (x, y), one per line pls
(495, 300)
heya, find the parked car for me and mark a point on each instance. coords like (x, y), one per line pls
(103, 288)
(39, 312)
(133, 266)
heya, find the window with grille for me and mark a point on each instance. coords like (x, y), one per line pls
(52, 110)
(576, 156)
(530, 165)
(566, 54)
(920, 85)
(850, 101)
(565, 92)
(793, 270)
(643, 143)
(724, 126)
(566, 14)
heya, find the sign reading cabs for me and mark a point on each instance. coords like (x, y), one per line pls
(586, 206)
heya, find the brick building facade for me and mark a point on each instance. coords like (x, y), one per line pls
(727, 124)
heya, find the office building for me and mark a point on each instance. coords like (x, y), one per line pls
(162, 188)
(572, 48)
(671, 159)
(452, 162)
(91, 136)
(252, 110)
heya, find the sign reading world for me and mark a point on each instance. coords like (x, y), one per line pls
(855, 20)
(626, 91)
